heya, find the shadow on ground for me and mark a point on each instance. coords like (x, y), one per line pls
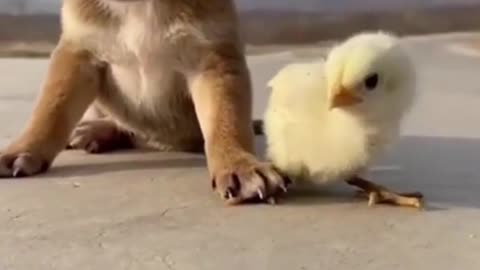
(79, 163)
(446, 170)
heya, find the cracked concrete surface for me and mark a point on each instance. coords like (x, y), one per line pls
(147, 210)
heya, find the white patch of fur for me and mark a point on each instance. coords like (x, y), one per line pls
(75, 29)
(137, 49)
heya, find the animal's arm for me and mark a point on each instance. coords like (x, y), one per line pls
(222, 94)
(71, 85)
(220, 86)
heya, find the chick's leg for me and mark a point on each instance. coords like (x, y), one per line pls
(379, 194)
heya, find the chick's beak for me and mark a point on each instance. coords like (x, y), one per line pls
(344, 98)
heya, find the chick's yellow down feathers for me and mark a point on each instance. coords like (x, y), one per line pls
(328, 119)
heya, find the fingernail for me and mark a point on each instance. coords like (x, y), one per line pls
(236, 182)
(232, 192)
(260, 194)
(17, 172)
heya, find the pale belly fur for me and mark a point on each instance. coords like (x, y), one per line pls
(144, 91)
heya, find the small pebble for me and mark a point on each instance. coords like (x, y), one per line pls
(76, 185)
(472, 236)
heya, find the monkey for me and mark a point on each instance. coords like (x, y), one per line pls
(171, 74)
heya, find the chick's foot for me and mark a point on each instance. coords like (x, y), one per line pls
(378, 194)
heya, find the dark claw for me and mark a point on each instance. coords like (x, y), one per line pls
(214, 184)
(288, 181)
(230, 193)
(236, 183)
(261, 196)
(264, 178)
(257, 171)
(17, 172)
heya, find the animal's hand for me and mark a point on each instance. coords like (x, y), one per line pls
(21, 163)
(247, 179)
(71, 85)
(99, 136)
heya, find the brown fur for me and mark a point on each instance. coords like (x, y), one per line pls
(169, 73)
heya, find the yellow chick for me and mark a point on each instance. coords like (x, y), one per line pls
(327, 120)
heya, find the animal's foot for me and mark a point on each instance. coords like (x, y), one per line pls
(99, 136)
(247, 179)
(379, 194)
(21, 164)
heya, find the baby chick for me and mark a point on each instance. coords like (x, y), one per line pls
(327, 120)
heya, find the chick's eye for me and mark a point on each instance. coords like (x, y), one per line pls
(371, 81)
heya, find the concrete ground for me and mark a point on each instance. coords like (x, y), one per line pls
(136, 210)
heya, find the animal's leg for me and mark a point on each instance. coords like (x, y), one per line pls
(72, 83)
(97, 133)
(379, 194)
(222, 97)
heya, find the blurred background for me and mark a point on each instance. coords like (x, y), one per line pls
(31, 27)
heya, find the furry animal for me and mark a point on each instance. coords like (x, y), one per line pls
(328, 120)
(170, 74)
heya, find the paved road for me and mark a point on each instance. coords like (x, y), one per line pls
(155, 211)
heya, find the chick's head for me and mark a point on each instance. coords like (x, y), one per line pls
(370, 74)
